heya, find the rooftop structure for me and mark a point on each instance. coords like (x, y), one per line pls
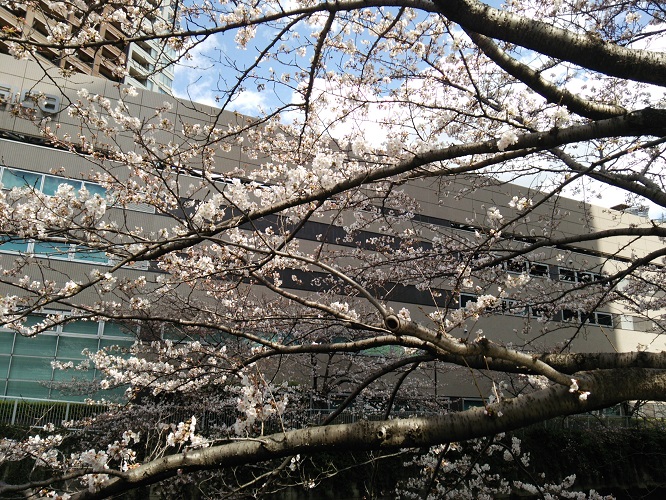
(146, 64)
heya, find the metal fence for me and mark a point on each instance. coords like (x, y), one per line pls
(591, 421)
(33, 413)
(27, 413)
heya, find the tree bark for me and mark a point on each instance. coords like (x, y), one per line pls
(606, 387)
(586, 50)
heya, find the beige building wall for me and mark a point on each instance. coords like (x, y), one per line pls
(452, 215)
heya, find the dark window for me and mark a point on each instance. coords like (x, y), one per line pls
(513, 308)
(567, 275)
(569, 315)
(585, 277)
(515, 266)
(537, 311)
(605, 319)
(465, 298)
(539, 270)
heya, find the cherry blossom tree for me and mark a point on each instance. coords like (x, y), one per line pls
(272, 285)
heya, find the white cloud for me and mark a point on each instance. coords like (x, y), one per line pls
(196, 78)
(249, 102)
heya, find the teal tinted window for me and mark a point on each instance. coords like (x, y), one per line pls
(18, 178)
(94, 189)
(27, 389)
(117, 330)
(471, 403)
(71, 347)
(6, 342)
(56, 249)
(83, 253)
(72, 375)
(115, 394)
(25, 368)
(34, 319)
(120, 343)
(66, 395)
(40, 345)
(80, 326)
(385, 350)
(4, 367)
(172, 332)
(12, 245)
(51, 184)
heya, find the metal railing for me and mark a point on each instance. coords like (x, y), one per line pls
(32, 413)
(37, 413)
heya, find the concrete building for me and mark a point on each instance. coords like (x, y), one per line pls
(25, 159)
(146, 65)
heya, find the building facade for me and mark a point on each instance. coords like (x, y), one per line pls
(27, 364)
(146, 65)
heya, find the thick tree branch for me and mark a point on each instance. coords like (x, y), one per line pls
(586, 50)
(481, 347)
(606, 387)
(552, 93)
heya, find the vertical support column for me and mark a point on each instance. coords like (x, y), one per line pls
(14, 412)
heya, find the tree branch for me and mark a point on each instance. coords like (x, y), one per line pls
(552, 93)
(587, 50)
(606, 387)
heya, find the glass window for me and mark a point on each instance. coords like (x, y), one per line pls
(52, 248)
(25, 368)
(13, 245)
(567, 275)
(115, 394)
(537, 311)
(51, 184)
(472, 403)
(539, 270)
(117, 330)
(40, 345)
(33, 319)
(586, 277)
(18, 178)
(71, 375)
(94, 189)
(120, 343)
(465, 298)
(172, 332)
(512, 307)
(81, 326)
(83, 253)
(27, 389)
(4, 368)
(6, 342)
(385, 350)
(71, 347)
(75, 389)
(605, 319)
(569, 315)
(515, 266)
(66, 395)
